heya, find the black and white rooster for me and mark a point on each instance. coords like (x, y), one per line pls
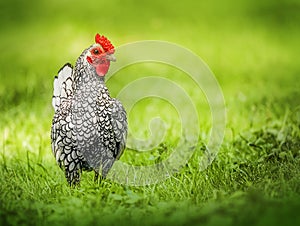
(89, 127)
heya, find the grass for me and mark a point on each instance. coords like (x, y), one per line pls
(252, 48)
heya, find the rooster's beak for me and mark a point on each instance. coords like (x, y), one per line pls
(111, 57)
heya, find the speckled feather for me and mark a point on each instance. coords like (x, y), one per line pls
(89, 127)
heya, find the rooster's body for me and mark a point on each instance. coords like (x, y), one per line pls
(89, 127)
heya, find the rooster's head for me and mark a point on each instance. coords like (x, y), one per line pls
(100, 54)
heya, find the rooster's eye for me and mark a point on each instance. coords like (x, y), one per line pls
(96, 51)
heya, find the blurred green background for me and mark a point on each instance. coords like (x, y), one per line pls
(251, 46)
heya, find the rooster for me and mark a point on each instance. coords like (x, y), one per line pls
(89, 127)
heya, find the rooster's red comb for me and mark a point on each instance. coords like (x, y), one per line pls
(105, 43)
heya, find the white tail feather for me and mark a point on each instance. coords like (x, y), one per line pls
(62, 85)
